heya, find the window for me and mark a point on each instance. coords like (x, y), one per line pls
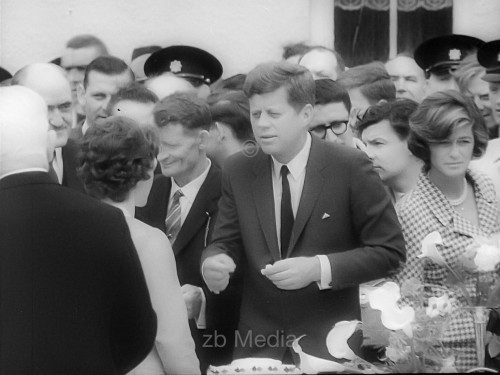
(363, 28)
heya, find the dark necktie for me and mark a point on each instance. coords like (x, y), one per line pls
(286, 212)
(173, 221)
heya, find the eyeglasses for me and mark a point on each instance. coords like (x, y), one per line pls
(337, 127)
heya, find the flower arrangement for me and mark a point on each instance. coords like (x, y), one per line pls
(478, 263)
(416, 332)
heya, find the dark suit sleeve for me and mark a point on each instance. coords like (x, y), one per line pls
(133, 320)
(226, 237)
(382, 250)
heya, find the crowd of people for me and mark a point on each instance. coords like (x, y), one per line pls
(156, 218)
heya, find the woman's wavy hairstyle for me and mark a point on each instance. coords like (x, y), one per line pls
(438, 116)
(115, 155)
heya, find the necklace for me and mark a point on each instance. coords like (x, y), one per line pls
(461, 199)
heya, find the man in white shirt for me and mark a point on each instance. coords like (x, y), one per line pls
(183, 204)
(306, 221)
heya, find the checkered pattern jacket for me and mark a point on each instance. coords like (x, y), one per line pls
(425, 210)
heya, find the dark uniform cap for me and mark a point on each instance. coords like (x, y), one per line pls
(186, 62)
(444, 52)
(489, 57)
(4, 74)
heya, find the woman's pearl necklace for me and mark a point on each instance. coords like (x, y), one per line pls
(461, 199)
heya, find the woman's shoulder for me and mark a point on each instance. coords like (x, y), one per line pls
(143, 234)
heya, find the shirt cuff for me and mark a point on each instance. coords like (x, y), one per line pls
(201, 321)
(326, 272)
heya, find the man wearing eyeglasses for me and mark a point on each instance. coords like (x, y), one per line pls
(333, 114)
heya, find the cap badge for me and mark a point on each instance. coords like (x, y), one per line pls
(175, 66)
(454, 54)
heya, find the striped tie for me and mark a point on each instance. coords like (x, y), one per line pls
(173, 221)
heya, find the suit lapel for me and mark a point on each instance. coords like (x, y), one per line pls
(201, 211)
(264, 202)
(313, 185)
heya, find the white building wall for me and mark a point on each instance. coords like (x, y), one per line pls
(241, 33)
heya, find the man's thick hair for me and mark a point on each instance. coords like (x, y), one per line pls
(135, 92)
(296, 79)
(438, 116)
(115, 156)
(397, 113)
(85, 41)
(108, 65)
(233, 110)
(372, 80)
(185, 109)
(328, 91)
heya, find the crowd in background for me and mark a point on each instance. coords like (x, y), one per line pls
(157, 218)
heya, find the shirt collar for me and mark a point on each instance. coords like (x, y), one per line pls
(298, 164)
(190, 190)
(24, 171)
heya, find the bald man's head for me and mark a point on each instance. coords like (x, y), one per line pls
(50, 82)
(25, 139)
(167, 84)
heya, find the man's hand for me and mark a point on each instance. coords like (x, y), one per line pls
(293, 273)
(192, 299)
(217, 270)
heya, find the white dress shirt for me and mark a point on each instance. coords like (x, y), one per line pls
(296, 178)
(57, 164)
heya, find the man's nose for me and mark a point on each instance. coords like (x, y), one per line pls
(56, 119)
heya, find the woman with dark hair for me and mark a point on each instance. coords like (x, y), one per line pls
(447, 131)
(116, 165)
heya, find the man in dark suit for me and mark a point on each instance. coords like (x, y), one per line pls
(191, 183)
(306, 221)
(50, 82)
(73, 295)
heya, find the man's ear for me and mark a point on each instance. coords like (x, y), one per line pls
(221, 130)
(203, 139)
(80, 94)
(307, 113)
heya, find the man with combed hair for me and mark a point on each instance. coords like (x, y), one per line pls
(50, 82)
(74, 297)
(367, 85)
(79, 52)
(103, 78)
(299, 223)
(134, 101)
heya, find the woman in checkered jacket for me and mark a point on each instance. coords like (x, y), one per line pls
(447, 131)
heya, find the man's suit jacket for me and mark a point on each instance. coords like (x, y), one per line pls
(73, 298)
(194, 234)
(222, 311)
(344, 213)
(70, 164)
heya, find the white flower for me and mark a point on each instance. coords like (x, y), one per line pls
(384, 298)
(438, 306)
(487, 257)
(336, 341)
(429, 248)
